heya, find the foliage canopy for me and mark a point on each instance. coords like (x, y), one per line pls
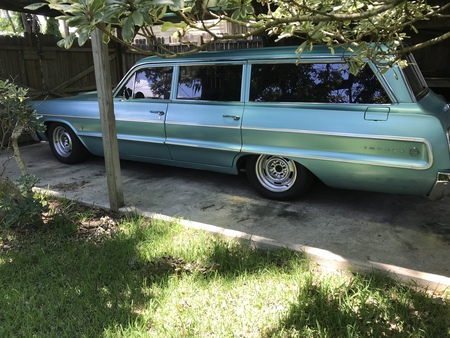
(361, 26)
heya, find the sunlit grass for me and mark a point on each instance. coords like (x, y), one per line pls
(147, 278)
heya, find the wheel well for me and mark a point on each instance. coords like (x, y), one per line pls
(241, 163)
(47, 127)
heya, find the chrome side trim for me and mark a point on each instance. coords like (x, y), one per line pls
(352, 135)
(331, 133)
(341, 160)
(70, 116)
(157, 121)
(238, 149)
(189, 124)
(442, 186)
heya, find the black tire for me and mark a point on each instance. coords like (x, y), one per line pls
(278, 178)
(65, 145)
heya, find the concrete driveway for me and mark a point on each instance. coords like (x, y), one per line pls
(406, 235)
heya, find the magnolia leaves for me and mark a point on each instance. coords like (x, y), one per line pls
(372, 30)
(85, 15)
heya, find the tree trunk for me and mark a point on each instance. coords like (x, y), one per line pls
(8, 188)
(13, 26)
(15, 145)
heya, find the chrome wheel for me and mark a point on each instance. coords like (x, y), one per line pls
(278, 177)
(276, 173)
(62, 141)
(65, 145)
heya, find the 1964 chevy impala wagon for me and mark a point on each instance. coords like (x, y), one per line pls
(284, 124)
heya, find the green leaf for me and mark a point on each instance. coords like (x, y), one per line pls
(128, 29)
(95, 5)
(36, 6)
(147, 19)
(414, 29)
(67, 41)
(107, 14)
(300, 49)
(77, 21)
(354, 69)
(162, 2)
(106, 38)
(138, 18)
(236, 14)
(83, 36)
(249, 9)
(168, 25)
(177, 5)
(160, 12)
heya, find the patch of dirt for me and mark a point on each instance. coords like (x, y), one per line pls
(70, 186)
(72, 219)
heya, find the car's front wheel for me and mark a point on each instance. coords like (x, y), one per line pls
(278, 177)
(65, 145)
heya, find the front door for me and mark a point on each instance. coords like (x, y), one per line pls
(140, 108)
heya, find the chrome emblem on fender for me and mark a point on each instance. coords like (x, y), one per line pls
(414, 152)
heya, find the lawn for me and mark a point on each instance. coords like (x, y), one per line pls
(88, 273)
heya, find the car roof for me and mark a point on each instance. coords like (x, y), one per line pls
(285, 52)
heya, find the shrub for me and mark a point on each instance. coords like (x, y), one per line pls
(17, 203)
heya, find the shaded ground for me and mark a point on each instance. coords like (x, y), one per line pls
(408, 232)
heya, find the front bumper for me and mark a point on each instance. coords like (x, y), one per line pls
(441, 187)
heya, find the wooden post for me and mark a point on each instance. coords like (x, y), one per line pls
(107, 119)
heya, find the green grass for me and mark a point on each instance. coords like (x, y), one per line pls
(86, 277)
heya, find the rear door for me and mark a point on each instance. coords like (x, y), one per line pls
(203, 123)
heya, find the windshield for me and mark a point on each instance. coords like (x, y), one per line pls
(415, 78)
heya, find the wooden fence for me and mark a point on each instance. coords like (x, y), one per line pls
(37, 63)
(48, 71)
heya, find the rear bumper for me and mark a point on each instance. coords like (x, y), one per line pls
(441, 187)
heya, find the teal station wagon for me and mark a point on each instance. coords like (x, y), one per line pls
(285, 124)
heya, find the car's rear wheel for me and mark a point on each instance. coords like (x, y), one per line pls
(278, 177)
(65, 145)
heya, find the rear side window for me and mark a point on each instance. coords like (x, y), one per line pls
(416, 81)
(210, 82)
(321, 82)
(148, 83)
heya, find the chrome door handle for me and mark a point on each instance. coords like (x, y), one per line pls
(159, 112)
(234, 117)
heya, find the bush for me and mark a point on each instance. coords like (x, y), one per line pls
(28, 210)
(17, 203)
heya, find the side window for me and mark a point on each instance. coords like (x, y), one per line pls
(321, 82)
(210, 82)
(127, 90)
(148, 83)
(415, 78)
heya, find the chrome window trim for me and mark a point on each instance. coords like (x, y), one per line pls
(413, 63)
(385, 84)
(448, 138)
(176, 76)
